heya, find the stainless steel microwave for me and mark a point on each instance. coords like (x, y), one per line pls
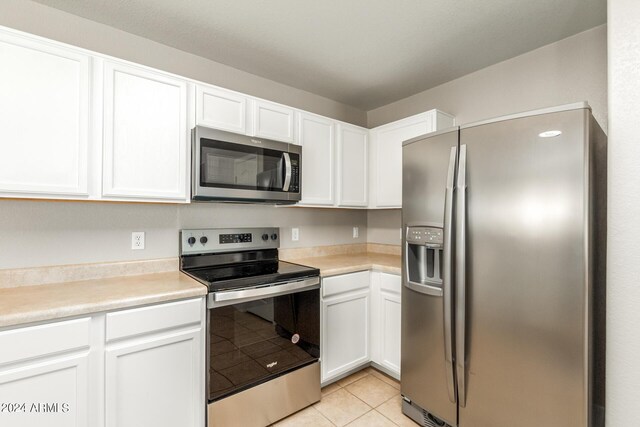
(238, 168)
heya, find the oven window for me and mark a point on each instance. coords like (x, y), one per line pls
(228, 165)
(252, 342)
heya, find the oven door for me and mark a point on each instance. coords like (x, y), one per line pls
(259, 334)
(228, 166)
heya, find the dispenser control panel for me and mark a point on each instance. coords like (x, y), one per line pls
(430, 236)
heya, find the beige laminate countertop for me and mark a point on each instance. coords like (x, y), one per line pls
(26, 304)
(332, 265)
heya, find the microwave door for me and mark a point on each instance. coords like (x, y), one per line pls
(242, 168)
(273, 179)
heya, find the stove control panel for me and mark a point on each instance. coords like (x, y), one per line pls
(214, 240)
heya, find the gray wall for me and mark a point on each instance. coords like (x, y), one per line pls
(38, 233)
(623, 239)
(383, 226)
(573, 69)
(570, 70)
(48, 22)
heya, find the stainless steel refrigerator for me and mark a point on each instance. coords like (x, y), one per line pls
(503, 246)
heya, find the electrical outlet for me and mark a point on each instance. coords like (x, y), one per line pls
(137, 240)
(295, 234)
(356, 232)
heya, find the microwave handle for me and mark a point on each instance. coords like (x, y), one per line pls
(287, 173)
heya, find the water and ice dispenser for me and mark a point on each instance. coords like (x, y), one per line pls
(424, 256)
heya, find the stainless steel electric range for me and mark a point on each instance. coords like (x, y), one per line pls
(263, 320)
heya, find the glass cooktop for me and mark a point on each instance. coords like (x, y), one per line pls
(250, 274)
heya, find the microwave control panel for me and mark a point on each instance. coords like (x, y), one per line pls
(294, 187)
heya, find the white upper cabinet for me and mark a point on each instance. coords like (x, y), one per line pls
(352, 166)
(316, 134)
(273, 121)
(44, 119)
(145, 134)
(221, 109)
(386, 154)
(81, 125)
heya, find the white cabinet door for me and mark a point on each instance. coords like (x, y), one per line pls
(345, 324)
(386, 186)
(145, 134)
(44, 119)
(155, 381)
(221, 109)
(273, 121)
(352, 166)
(317, 137)
(345, 333)
(388, 318)
(154, 366)
(54, 392)
(44, 375)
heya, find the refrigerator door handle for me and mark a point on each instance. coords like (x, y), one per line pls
(448, 273)
(461, 229)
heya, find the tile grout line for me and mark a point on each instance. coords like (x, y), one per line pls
(323, 416)
(345, 389)
(372, 408)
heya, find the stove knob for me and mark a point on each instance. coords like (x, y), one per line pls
(274, 236)
(204, 240)
(265, 237)
(191, 240)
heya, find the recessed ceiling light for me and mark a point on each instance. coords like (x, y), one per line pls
(550, 133)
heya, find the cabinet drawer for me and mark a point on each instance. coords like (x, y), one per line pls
(36, 341)
(344, 283)
(143, 320)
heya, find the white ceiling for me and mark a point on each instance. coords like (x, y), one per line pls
(364, 53)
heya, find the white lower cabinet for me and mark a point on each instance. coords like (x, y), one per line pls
(44, 375)
(155, 381)
(154, 367)
(360, 323)
(387, 315)
(137, 367)
(345, 323)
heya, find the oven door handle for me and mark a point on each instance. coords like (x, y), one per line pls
(219, 299)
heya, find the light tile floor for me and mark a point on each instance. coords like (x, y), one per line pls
(367, 398)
